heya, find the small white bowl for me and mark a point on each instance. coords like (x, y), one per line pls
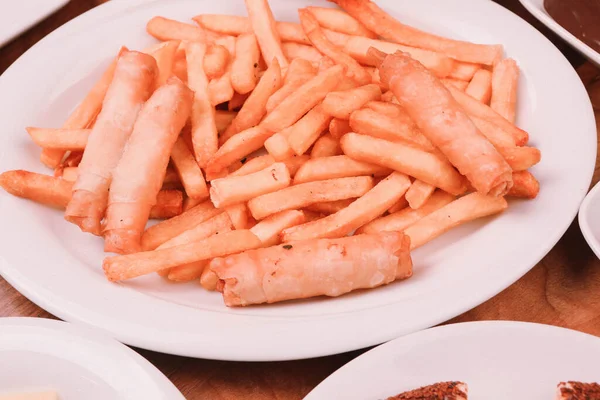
(536, 7)
(589, 219)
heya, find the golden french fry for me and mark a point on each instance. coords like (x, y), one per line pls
(329, 207)
(418, 193)
(216, 60)
(299, 72)
(480, 87)
(326, 146)
(341, 166)
(264, 27)
(164, 55)
(301, 51)
(209, 279)
(268, 230)
(59, 139)
(167, 29)
(238, 147)
(42, 189)
(244, 69)
(254, 165)
(239, 215)
(278, 145)
(342, 104)
(307, 130)
(189, 172)
(339, 127)
(69, 174)
(339, 21)
(504, 86)
(464, 71)
(400, 205)
(521, 158)
(524, 185)
(169, 204)
(457, 83)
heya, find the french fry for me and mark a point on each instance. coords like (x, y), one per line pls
(263, 25)
(339, 21)
(317, 37)
(457, 83)
(363, 210)
(400, 220)
(255, 108)
(296, 50)
(42, 189)
(480, 110)
(165, 58)
(299, 72)
(220, 89)
(189, 203)
(239, 215)
(215, 61)
(268, 230)
(342, 104)
(69, 174)
(294, 163)
(480, 87)
(220, 223)
(205, 138)
(425, 166)
(418, 193)
(134, 265)
(169, 204)
(498, 136)
(304, 194)
(223, 119)
(180, 68)
(339, 127)
(232, 190)
(189, 172)
(524, 185)
(254, 165)
(167, 29)
(85, 113)
(59, 139)
(326, 146)
(160, 233)
(505, 82)
(521, 158)
(307, 130)
(244, 69)
(378, 21)
(375, 78)
(388, 106)
(238, 147)
(187, 272)
(341, 166)
(237, 101)
(400, 205)
(211, 176)
(209, 279)
(458, 212)
(278, 145)
(329, 207)
(464, 71)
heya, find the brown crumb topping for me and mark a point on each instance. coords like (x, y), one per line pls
(437, 391)
(579, 391)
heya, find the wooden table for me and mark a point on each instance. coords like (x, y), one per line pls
(563, 289)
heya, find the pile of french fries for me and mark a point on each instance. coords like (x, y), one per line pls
(264, 144)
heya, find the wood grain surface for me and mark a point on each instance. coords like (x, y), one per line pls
(563, 289)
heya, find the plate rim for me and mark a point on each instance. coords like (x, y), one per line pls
(249, 354)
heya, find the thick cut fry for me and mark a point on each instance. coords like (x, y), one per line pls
(278, 146)
(160, 233)
(85, 113)
(268, 230)
(480, 87)
(239, 215)
(317, 37)
(131, 86)
(223, 119)
(464, 71)
(302, 100)
(232, 190)
(342, 104)
(402, 219)
(498, 136)
(458, 84)
(329, 267)
(187, 272)
(465, 209)
(480, 110)
(59, 139)
(169, 204)
(42, 189)
(446, 125)
(254, 165)
(525, 185)
(318, 169)
(167, 29)
(215, 61)
(205, 138)
(521, 158)
(326, 146)
(265, 29)
(378, 21)
(220, 89)
(294, 163)
(365, 209)
(69, 174)
(300, 51)
(188, 170)
(339, 21)
(505, 82)
(418, 193)
(299, 72)
(425, 166)
(304, 194)
(165, 58)
(329, 207)
(307, 130)
(138, 176)
(395, 128)
(134, 265)
(238, 147)
(339, 127)
(244, 69)
(255, 108)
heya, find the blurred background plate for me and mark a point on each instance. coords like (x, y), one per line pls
(19, 15)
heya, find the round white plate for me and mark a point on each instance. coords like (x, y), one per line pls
(76, 362)
(59, 268)
(589, 219)
(498, 360)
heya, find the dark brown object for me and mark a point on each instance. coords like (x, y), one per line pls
(580, 17)
(578, 391)
(563, 289)
(437, 391)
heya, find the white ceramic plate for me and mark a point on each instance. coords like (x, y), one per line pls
(536, 7)
(18, 16)
(41, 354)
(57, 267)
(498, 360)
(589, 219)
